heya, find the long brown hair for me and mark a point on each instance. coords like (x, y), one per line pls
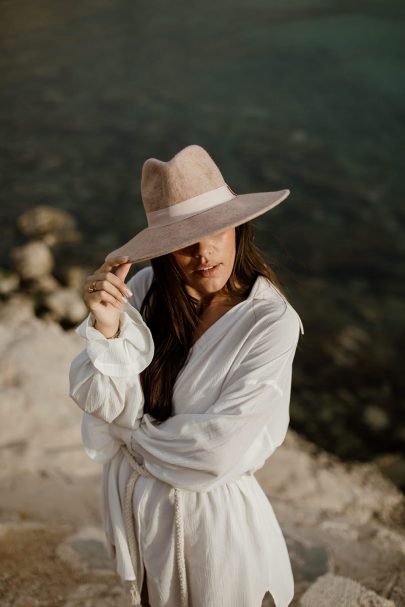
(172, 315)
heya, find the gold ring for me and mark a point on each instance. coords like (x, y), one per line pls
(93, 287)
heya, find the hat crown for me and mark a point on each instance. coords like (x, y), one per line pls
(191, 172)
(187, 199)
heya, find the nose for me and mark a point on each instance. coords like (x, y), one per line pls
(203, 248)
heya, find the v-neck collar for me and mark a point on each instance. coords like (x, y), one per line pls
(198, 342)
(261, 289)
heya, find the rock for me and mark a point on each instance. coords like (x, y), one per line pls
(32, 260)
(65, 304)
(49, 225)
(40, 220)
(43, 285)
(337, 591)
(376, 418)
(61, 237)
(45, 473)
(324, 487)
(370, 554)
(86, 550)
(392, 465)
(18, 308)
(9, 281)
(74, 276)
(309, 558)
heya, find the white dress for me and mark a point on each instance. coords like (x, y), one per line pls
(201, 502)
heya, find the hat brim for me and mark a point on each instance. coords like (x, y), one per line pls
(160, 240)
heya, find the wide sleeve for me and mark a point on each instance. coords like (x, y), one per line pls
(240, 430)
(104, 377)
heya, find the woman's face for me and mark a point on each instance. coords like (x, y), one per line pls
(218, 250)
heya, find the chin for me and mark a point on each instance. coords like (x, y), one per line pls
(211, 285)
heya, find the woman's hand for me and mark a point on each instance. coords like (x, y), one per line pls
(106, 301)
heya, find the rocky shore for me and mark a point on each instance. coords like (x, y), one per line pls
(344, 523)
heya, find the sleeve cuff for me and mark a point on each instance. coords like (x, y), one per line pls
(128, 354)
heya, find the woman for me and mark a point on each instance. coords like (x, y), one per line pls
(185, 386)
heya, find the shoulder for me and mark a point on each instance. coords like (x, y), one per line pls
(139, 284)
(275, 320)
(270, 342)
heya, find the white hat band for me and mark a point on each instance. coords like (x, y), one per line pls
(190, 207)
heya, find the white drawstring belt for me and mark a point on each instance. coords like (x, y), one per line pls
(131, 535)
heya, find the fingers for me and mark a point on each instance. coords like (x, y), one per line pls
(118, 265)
(106, 283)
(119, 287)
(102, 297)
(106, 280)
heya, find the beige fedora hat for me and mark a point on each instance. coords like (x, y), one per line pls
(186, 200)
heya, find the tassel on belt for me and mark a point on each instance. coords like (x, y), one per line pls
(139, 470)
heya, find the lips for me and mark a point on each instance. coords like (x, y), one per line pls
(207, 273)
(209, 265)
